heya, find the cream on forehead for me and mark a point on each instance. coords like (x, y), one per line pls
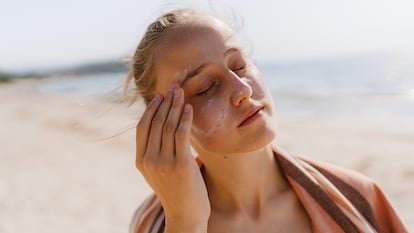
(181, 73)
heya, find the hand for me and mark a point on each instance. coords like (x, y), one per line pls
(164, 158)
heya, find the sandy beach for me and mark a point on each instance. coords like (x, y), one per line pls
(67, 161)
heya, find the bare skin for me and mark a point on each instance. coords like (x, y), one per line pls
(225, 111)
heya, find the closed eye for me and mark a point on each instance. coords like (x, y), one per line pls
(206, 91)
(239, 68)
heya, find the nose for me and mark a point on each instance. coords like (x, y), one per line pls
(241, 90)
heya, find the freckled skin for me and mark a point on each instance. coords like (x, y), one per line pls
(210, 132)
(216, 117)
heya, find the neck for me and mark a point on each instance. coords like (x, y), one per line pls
(243, 182)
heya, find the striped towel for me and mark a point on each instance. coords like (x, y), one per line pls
(336, 200)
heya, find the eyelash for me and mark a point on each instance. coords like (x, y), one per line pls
(206, 91)
(239, 68)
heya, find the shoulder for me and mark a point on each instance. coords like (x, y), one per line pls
(364, 193)
(343, 176)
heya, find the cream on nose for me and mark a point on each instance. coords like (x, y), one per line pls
(242, 91)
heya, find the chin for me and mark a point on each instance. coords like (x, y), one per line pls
(254, 138)
(252, 142)
(257, 142)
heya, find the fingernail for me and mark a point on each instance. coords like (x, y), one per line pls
(172, 86)
(157, 98)
(177, 93)
(187, 108)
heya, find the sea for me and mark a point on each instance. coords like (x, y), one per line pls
(369, 86)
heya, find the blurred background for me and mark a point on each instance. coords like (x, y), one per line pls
(341, 73)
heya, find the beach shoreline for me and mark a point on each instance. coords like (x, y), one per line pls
(68, 159)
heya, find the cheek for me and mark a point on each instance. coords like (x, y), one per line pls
(209, 119)
(257, 89)
(258, 85)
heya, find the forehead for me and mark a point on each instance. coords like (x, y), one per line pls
(189, 46)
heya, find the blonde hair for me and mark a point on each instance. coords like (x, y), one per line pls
(142, 63)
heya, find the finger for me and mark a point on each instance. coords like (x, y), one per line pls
(157, 124)
(171, 124)
(144, 124)
(182, 134)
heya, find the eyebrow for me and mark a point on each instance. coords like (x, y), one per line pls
(201, 67)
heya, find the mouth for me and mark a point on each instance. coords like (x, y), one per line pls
(251, 116)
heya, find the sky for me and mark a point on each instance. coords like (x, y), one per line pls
(57, 33)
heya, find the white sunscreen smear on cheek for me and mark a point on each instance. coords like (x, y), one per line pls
(216, 120)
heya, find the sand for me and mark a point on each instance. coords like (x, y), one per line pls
(59, 171)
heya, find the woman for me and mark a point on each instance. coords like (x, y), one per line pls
(203, 92)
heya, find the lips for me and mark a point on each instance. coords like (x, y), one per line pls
(250, 115)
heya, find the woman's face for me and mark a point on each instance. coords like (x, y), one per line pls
(233, 109)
